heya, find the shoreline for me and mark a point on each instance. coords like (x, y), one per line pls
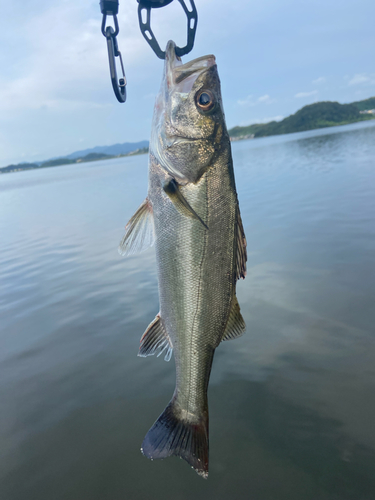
(19, 168)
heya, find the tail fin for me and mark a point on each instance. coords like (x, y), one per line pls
(173, 435)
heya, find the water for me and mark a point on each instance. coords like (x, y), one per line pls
(292, 408)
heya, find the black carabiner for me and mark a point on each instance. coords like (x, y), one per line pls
(119, 84)
(192, 21)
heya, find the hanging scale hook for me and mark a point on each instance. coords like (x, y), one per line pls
(192, 20)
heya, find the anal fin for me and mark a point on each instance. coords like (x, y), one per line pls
(139, 231)
(155, 339)
(235, 325)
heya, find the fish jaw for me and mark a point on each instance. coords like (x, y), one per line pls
(184, 139)
(181, 77)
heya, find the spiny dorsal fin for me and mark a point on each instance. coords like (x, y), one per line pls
(139, 231)
(241, 248)
(172, 190)
(236, 324)
(155, 338)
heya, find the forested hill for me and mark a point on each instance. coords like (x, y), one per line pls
(317, 115)
(365, 104)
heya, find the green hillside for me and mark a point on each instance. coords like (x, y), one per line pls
(366, 104)
(313, 116)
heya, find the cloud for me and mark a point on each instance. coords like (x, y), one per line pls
(361, 78)
(250, 101)
(264, 98)
(277, 118)
(319, 80)
(71, 69)
(262, 120)
(358, 79)
(306, 94)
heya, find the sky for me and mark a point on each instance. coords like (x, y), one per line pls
(273, 56)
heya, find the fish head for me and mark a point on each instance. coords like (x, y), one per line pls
(188, 123)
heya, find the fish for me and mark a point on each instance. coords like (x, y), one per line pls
(192, 214)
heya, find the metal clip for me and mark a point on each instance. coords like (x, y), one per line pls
(119, 85)
(192, 21)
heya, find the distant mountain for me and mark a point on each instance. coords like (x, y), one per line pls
(116, 149)
(20, 166)
(313, 116)
(84, 156)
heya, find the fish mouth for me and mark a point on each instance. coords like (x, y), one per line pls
(181, 77)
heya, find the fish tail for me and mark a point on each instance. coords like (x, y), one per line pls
(172, 434)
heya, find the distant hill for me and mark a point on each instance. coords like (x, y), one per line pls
(114, 150)
(95, 154)
(313, 116)
(20, 166)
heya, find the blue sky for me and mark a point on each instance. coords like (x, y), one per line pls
(273, 56)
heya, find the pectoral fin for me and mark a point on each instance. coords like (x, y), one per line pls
(139, 231)
(236, 324)
(172, 190)
(155, 338)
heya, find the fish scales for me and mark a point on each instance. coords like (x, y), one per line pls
(192, 210)
(194, 297)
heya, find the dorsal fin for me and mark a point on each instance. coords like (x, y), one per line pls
(155, 338)
(241, 257)
(139, 231)
(236, 324)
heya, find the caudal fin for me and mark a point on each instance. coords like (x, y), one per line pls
(172, 435)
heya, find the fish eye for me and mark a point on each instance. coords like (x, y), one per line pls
(205, 100)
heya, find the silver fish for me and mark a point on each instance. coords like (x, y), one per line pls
(192, 213)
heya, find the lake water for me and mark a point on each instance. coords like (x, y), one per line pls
(292, 402)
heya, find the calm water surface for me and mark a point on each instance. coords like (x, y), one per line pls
(292, 406)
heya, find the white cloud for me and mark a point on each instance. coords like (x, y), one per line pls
(358, 79)
(66, 59)
(264, 98)
(306, 94)
(250, 101)
(319, 80)
(277, 118)
(362, 78)
(262, 120)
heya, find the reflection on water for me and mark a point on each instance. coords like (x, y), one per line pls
(291, 403)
